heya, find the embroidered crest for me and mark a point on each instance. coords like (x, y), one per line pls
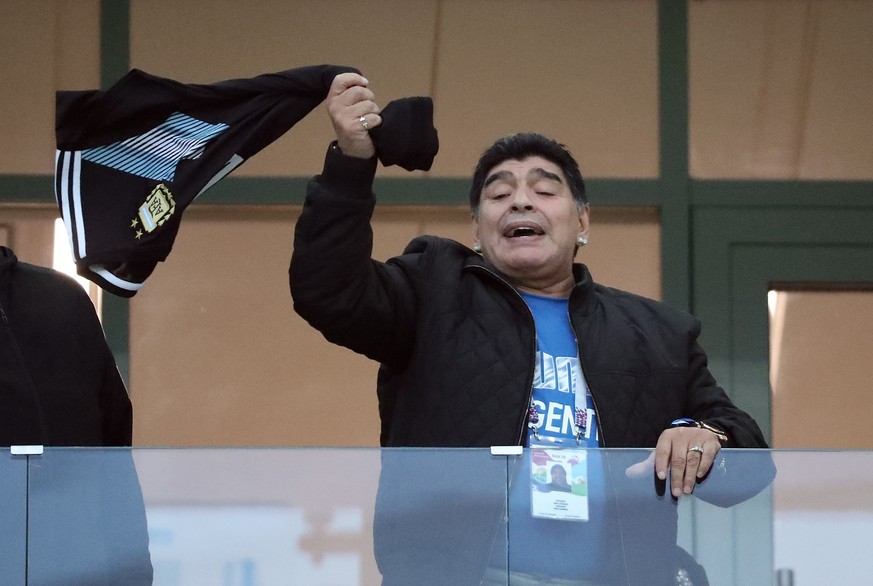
(156, 210)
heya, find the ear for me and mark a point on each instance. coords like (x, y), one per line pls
(584, 222)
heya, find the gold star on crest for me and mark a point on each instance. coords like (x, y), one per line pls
(138, 234)
(134, 222)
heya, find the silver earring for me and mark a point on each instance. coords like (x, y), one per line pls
(477, 248)
(582, 241)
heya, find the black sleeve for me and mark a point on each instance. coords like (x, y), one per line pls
(353, 300)
(21, 418)
(735, 475)
(116, 411)
(709, 402)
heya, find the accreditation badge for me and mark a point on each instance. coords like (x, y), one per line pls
(559, 482)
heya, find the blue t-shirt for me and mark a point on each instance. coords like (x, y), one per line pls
(559, 385)
(558, 548)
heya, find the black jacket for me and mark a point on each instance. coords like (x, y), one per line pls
(59, 385)
(457, 343)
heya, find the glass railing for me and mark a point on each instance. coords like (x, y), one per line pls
(346, 517)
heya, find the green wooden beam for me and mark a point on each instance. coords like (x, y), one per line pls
(114, 41)
(453, 191)
(673, 152)
(27, 189)
(401, 191)
(114, 64)
(756, 194)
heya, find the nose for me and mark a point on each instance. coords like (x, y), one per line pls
(521, 200)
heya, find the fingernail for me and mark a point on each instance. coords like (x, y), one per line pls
(662, 475)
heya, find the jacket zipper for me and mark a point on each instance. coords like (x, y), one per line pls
(520, 441)
(587, 381)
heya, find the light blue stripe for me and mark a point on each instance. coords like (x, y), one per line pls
(156, 153)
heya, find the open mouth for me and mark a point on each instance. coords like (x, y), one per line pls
(522, 230)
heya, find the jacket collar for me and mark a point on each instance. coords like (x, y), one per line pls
(583, 292)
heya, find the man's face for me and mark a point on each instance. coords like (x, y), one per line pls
(528, 221)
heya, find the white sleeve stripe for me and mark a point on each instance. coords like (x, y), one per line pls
(63, 183)
(57, 176)
(77, 202)
(110, 278)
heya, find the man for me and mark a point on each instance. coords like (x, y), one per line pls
(60, 384)
(559, 479)
(510, 342)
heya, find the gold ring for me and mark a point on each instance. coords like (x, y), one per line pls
(695, 449)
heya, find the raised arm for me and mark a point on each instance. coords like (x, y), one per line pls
(353, 300)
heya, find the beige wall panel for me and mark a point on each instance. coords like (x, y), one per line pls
(395, 226)
(821, 368)
(584, 72)
(838, 134)
(30, 231)
(205, 41)
(450, 222)
(745, 84)
(46, 45)
(624, 250)
(780, 89)
(218, 357)
(77, 44)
